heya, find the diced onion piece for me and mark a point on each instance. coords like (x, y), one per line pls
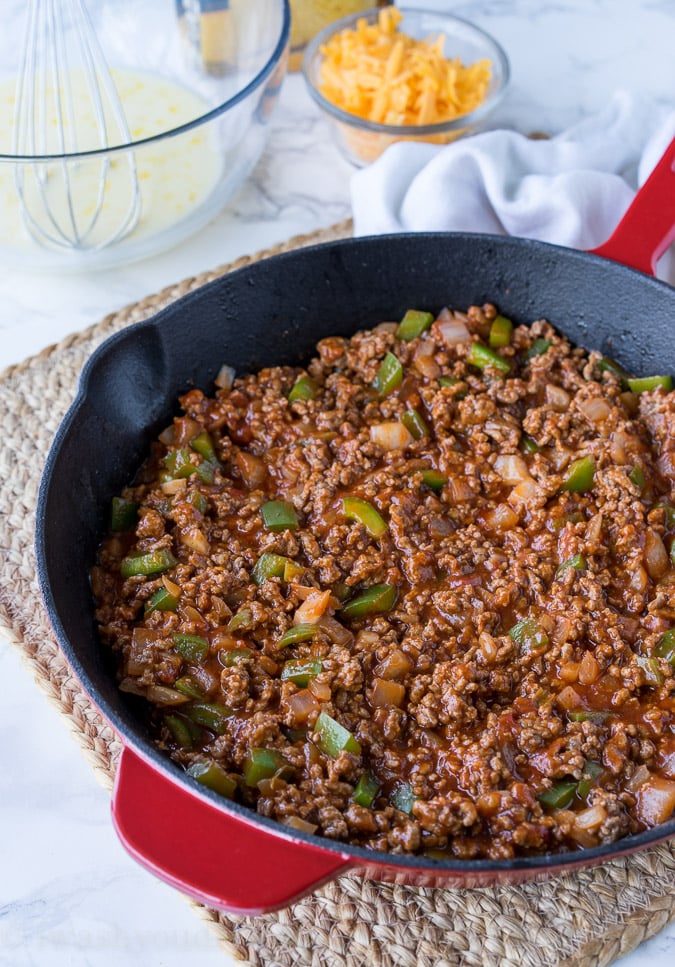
(312, 608)
(337, 633)
(391, 435)
(394, 665)
(387, 693)
(301, 825)
(666, 464)
(523, 492)
(132, 686)
(596, 409)
(501, 518)
(589, 820)
(568, 698)
(320, 690)
(424, 359)
(655, 801)
(617, 447)
(588, 669)
(459, 489)
(655, 555)
(171, 586)
(172, 487)
(557, 397)
(640, 775)
(194, 538)
(569, 671)
(512, 468)
(452, 331)
(252, 469)
(225, 378)
(168, 436)
(638, 579)
(302, 706)
(162, 695)
(668, 765)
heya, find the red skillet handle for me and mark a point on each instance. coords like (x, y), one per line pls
(215, 857)
(648, 227)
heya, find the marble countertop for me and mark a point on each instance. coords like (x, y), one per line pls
(69, 894)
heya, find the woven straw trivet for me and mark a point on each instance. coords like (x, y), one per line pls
(577, 920)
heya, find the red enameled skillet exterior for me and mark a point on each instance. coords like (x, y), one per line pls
(274, 312)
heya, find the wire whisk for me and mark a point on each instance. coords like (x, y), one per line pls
(73, 192)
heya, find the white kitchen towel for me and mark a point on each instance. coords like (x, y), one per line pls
(570, 190)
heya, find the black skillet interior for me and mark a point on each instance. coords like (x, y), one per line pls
(274, 312)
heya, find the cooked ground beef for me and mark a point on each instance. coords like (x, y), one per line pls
(474, 658)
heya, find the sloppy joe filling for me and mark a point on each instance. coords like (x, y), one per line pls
(419, 597)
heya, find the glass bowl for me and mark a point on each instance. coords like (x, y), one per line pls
(362, 141)
(197, 81)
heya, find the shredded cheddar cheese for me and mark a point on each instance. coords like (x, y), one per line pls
(382, 75)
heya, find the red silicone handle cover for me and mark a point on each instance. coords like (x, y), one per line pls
(222, 860)
(648, 227)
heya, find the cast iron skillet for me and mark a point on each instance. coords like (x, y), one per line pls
(269, 313)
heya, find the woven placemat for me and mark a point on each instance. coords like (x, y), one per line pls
(577, 920)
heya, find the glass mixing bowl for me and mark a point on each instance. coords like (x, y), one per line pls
(197, 81)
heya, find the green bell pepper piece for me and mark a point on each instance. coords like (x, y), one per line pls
(528, 445)
(643, 384)
(483, 358)
(650, 666)
(297, 634)
(334, 738)
(453, 381)
(377, 599)
(529, 636)
(366, 790)
(500, 332)
(666, 647)
(389, 376)
(607, 365)
(577, 561)
(123, 514)
(161, 600)
(193, 647)
(364, 513)
(211, 715)
(178, 464)
(538, 348)
(559, 795)
(198, 501)
(241, 621)
(264, 764)
(403, 798)
(580, 476)
(637, 476)
(185, 733)
(268, 566)
(203, 445)
(279, 515)
(304, 389)
(413, 324)
(415, 424)
(154, 562)
(300, 671)
(188, 686)
(434, 480)
(213, 776)
(234, 655)
(592, 771)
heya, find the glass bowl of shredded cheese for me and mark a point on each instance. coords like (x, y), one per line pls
(393, 74)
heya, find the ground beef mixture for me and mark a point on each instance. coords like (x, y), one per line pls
(419, 597)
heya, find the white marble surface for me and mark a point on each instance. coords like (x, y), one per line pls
(69, 895)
